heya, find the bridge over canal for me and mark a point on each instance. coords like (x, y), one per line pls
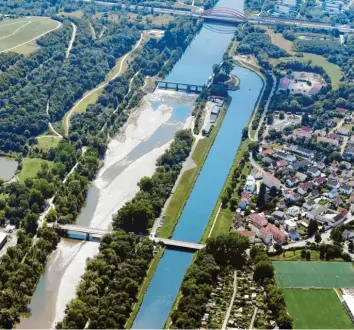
(96, 232)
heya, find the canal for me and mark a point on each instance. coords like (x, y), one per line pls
(169, 274)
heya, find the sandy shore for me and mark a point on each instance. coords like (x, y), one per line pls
(71, 277)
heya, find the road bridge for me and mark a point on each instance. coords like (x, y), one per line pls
(190, 88)
(97, 232)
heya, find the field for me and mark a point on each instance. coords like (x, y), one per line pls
(279, 40)
(19, 34)
(316, 309)
(47, 142)
(30, 167)
(306, 274)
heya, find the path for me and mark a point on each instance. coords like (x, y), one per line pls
(56, 134)
(93, 33)
(102, 31)
(228, 312)
(59, 25)
(214, 222)
(71, 40)
(102, 85)
(253, 318)
(13, 33)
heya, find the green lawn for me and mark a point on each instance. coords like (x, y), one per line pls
(316, 309)
(296, 256)
(187, 181)
(30, 167)
(306, 274)
(47, 142)
(14, 32)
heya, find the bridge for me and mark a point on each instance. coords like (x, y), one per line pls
(190, 88)
(96, 232)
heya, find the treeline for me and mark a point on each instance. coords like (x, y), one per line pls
(156, 57)
(253, 40)
(317, 46)
(264, 274)
(20, 270)
(72, 194)
(139, 214)
(222, 251)
(108, 288)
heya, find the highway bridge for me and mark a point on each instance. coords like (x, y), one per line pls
(97, 232)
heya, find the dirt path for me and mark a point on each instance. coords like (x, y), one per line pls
(59, 25)
(228, 312)
(102, 32)
(71, 40)
(56, 134)
(102, 85)
(93, 32)
(13, 33)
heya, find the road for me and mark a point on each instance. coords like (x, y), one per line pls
(229, 309)
(253, 318)
(71, 40)
(104, 84)
(56, 134)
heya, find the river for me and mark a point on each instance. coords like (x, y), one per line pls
(131, 155)
(8, 168)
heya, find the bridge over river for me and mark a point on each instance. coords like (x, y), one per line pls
(97, 232)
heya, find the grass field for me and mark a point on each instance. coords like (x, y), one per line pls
(305, 274)
(30, 167)
(47, 142)
(316, 309)
(279, 40)
(16, 33)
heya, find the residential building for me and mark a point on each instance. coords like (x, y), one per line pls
(292, 182)
(327, 140)
(333, 193)
(318, 210)
(301, 176)
(281, 205)
(278, 235)
(283, 155)
(349, 151)
(300, 150)
(266, 236)
(342, 111)
(282, 163)
(339, 218)
(271, 181)
(313, 172)
(305, 187)
(343, 131)
(346, 189)
(347, 234)
(250, 234)
(300, 133)
(337, 201)
(294, 211)
(257, 222)
(290, 225)
(279, 216)
(320, 181)
(256, 173)
(300, 164)
(309, 205)
(333, 183)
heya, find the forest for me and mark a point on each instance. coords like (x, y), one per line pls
(108, 288)
(139, 214)
(226, 250)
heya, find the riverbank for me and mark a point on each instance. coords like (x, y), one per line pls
(188, 179)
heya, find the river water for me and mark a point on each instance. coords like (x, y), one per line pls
(132, 155)
(8, 168)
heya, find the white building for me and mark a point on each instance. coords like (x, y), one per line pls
(250, 184)
(290, 225)
(348, 302)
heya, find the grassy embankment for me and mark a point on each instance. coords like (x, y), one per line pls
(19, 32)
(30, 168)
(143, 288)
(187, 181)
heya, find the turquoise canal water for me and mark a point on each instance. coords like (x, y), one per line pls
(195, 67)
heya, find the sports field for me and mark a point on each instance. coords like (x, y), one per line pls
(15, 34)
(316, 309)
(306, 274)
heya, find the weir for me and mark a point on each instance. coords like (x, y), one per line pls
(179, 86)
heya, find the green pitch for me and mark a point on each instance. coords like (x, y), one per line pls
(306, 274)
(316, 309)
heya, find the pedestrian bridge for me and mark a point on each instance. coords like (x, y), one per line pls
(96, 232)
